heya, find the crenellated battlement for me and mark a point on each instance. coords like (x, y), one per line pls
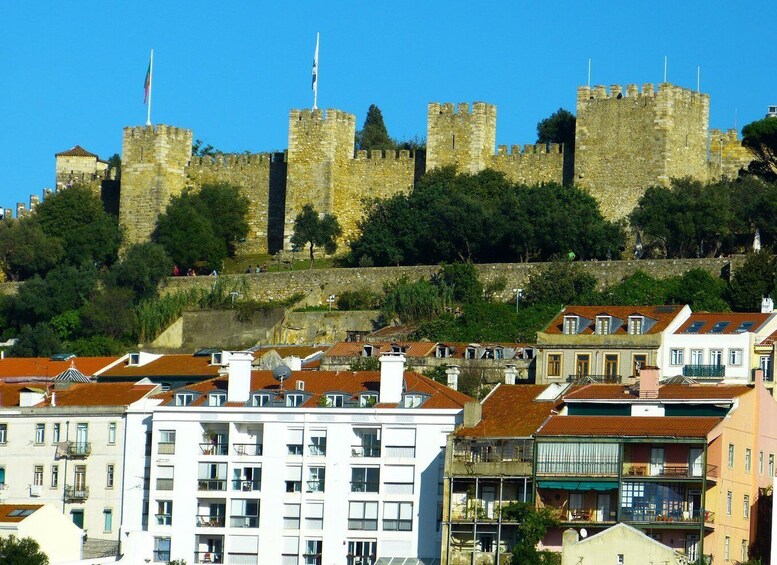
(330, 115)
(160, 130)
(224, 160)
(517, 152)
(647, 90)
(384, 155)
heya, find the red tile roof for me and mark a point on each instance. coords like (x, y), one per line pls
(76, 151)
(734, 319)
(413, 348)
(78, 394)
(26, 367)
(284, 351)
(511, 411)
(173, 365)
(318, 383)
(629, 426)
(665, 392)
(662, 314)
(6, 509)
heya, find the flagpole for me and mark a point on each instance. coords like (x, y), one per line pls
(150, 86)
(315, 75)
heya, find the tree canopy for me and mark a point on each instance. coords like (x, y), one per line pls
(558, 128)
(373, 134)
(22, 551)
(315, 231)
(761, 138)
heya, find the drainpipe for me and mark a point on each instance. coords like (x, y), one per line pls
(703, 509)
(499, 522)
(64, 473)
(475, 523)
(450, 520)
(123, 473)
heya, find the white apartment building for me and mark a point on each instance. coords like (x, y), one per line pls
(718, 347)
(313, 467)
(62, 444)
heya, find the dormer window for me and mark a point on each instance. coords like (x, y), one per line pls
(412, 400)
(470, 353)
(570, 324)
(368, 350)
(442, 352)
(396, 348)
(499, 353)
(603, 325)
(334, 400)
(636, 325)
(184, 398)
(294, 400)
(260, 399)
(134, 360)
(216, 359)
(368, 400)
(217, 399)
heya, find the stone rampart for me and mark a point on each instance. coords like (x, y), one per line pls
(535, 164)
(727, 154)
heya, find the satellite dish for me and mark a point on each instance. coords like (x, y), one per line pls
(281, 373)
(583, 533)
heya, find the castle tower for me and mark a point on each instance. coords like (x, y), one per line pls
(625, 142)
(464, 139)
(152, 171)
(320, 151)
(79, 166)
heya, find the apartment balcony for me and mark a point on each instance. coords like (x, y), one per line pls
(478, 510)
(600, 379)
(578, 468)
(211, 484)
(668, 518)
(704, 371)
(214, 448)
(164, 484)
(497, 457)
(206, 521)
(74, 449)
(166, 448)
(666, 471)
(78, 493)
(589, 502)
(208, 557)
(244, 521)
(247, 449)
(368, 451)
(246, 485)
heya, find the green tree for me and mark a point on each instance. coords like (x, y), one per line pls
(373, 134)
(411, 302)
(36, 341)
(463, 281)
(76, 217)
(533, 524)
(315, 231)
(227, 210)
(761, 138)
(110, 313)
(558, 128)
(96, 346)
(21, 551)
(142, 268)
(752, 281)
(559, 283)
(754, 207)
(25, 250)
(700, 290)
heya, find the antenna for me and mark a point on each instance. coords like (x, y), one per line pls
(589, 72)
(698, 78)
(666, 64)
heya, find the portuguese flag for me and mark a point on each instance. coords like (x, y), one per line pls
(147, 85)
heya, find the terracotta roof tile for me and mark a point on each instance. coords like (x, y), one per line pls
(27, 367)
(7, 509)
(662, 314)
(103, 394)
(413, 348)
(629, 426)
(665, 392)
(511, 411)
(173, 365)
(76, 151)
(734, 319)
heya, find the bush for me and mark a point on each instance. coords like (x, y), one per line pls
(359, 299)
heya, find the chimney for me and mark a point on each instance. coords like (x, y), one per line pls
(392, 378)
(511, 373)
(648, 382)
(758, 378)
(54, 398)
(453, 377)
(294, 363)
(767, 305)
(239, 376)
(473, 413)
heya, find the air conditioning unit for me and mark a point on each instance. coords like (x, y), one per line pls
(36, 490)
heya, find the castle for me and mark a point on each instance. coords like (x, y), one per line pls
(624, 142)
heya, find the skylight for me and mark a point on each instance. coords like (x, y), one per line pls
(719, 327)
(694, 327)
(745, 327)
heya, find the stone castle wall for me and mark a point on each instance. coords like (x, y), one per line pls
(464, 138)
(727, 154)
(535, 164)
(627, 141)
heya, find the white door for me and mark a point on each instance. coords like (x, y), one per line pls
(656, 461)
(489, 496)
(602, 507)
(692, 547)
(695, 455)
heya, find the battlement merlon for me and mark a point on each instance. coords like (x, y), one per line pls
(461, 109)
(320, 115)
(236, 159)
(159, 130)
(665, 89)
(530, 149)
(383, 155)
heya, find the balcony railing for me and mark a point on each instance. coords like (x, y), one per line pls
(476, 508)
(76, 493)
(562, 467)
(244, 521)
(164, 484)
(360, 451)
(211, 484)
(667, 471)
(493, 451)
(671, 516)
(246, 485)
(704, 371)
(361, 486)
(74, 449)
(214, 448)
(166, 448)
(206, 521)
(208, 557)
(601, 379)
(247, 449)
(164, 519)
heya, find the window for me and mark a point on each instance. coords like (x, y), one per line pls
(743, 554)
(316, 479)
(727, 548)
(313, 548)
(244, 513)
(583, 365)
(183, 399)
(112, 433)
(109, 476)
(399, 442)
(260, 399)
(412, 400)
(620, 560)
(334, 400)
(217, 399)
(317, 444)
(107, 520)
(602, 325)
(294, 400)
(771, 464)
(367, 442)
(746, 506)
(730, 455)
(294, 442)
(3, 433)
(719, 327)
(729, 497)
(54, 476)
(748, 459)
(368, 400)
(570, 324)
(314, 516)
(398, 479)
(362, 515)
(362, 552)
(164, 512)
(695, 327)
(716, 357)
(734, 356)
(365, 479)
(635, 325)
(294, 479)
(291, 516)
(554, 364)
(611, 365)
(639, 361)
(677, 356)
(40, 433)
(134, 359)
(55, 433)
(760, 462)
(398, 516)
(37, 478)
(744, 327)
(166, 442)
(164, 480)
(162, 550)
(697, 357)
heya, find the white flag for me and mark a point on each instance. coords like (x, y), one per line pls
(315, 74)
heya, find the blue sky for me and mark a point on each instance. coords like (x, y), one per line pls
(231, 71)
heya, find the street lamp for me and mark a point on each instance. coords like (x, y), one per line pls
(518, 294)
(331, 300)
